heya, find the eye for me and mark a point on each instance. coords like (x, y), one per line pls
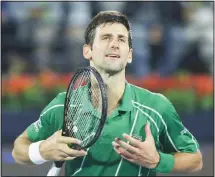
(106, 38)
(121, 40)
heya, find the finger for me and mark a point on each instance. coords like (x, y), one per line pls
(58, 133)
(115, 144)
(122, 151)
(117, 150)
(131, 140)
(72, 152)
(148, 132)
(63, 154)
(69, 140)
(126, 146)
(76, 153)
(127, 158)
(69, 158)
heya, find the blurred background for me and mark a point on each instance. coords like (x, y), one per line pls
(42, 48)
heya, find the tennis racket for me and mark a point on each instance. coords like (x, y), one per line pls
(85, 111)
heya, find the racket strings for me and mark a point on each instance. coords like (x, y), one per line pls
(84, 123)
(74, 104)
(76, 98)
(91, 125)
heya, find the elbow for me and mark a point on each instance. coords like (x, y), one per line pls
(199, 164)
(14, 156)
(17, 158)
(13, 153)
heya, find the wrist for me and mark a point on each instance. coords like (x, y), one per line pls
(43, 150)
(165, 164)
(34, 153)
(156, 161)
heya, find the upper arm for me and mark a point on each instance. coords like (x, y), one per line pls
(40, 129)
(23, 136)
(175, 137)
(47, 123)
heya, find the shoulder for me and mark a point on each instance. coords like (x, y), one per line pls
(150, 100)
(55, 105)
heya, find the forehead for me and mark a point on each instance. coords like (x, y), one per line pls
(112, 28)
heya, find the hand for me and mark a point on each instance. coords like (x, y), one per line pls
(56, 148)
(138, 152)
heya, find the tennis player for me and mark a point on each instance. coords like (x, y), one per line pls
(158, 141)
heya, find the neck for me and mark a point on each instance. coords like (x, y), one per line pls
(115, 88)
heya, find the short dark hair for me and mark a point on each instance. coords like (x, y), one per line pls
(104, 17)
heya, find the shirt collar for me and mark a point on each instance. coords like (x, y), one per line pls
(126, 101)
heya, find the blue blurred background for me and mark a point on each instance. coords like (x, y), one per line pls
(42, 46)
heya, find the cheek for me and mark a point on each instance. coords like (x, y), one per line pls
(98, 50)
(100, 45)
(125, 52)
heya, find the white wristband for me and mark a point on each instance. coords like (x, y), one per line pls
(34, 153)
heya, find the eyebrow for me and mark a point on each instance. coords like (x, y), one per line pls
(119, 36)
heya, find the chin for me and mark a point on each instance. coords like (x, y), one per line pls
(113, 71)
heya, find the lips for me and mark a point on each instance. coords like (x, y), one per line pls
(113, 55)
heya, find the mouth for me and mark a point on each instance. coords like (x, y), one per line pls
(113, 56)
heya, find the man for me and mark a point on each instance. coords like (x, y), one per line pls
(158, 141)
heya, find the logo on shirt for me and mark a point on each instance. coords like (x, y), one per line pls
(37, 125)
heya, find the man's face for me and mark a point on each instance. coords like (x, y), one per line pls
(110, 50)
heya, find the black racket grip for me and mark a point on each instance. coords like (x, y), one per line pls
(59, 164)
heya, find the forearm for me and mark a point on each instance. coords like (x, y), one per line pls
(20, 151)
(187, 162)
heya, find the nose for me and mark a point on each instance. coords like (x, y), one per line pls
(115, 44)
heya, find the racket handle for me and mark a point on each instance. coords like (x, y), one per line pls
(55, 168)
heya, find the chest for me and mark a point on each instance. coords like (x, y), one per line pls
(132, 123)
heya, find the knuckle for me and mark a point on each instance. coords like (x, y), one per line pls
(137, 151)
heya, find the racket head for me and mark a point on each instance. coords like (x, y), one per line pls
(70, 94)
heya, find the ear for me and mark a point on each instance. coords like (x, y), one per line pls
(87, 52)
(130, 56)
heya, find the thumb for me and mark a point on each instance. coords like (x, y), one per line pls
(59, 132)
(148, 131)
